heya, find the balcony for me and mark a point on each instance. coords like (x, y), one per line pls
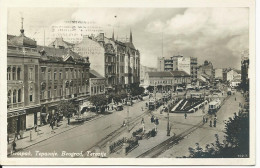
(15, 105)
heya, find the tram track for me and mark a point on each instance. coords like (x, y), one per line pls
(103, 142)
(170, 142)
(167, 144)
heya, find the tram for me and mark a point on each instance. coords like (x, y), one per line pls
(214, 106)
(152, 104)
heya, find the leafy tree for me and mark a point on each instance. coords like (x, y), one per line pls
(66, 108)
(235, 143)
(98, 101)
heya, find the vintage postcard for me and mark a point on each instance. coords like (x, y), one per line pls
(128, 82)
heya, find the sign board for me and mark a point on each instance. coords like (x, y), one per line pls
(29, 121)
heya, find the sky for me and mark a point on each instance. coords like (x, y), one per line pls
(218, 35)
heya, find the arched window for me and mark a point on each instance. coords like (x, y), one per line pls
(19, 95)
(9, 97)
(14, 73)
(14, 96)
(19, 73)
(8, 73)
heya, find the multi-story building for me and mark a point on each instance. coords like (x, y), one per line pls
(38, 77)
(232, 73)
(206, 70)
(97, 83)
(166, 80)
(193, 69)
(60, 43)
(23, 91)
(118, 62)
(64, 75)
(219, 73)
(178, 62)
(143, 71)
(244, 70)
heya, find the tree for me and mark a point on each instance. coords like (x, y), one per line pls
(98, 100)
(66, 108)
(235, 143)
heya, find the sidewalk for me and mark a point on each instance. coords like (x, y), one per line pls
(45, 132)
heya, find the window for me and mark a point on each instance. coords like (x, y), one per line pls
(49, 94)
(31, 98)
(54, 75)
(19, 95)
(18, 73)
(9, 97)
(8, 73)
(49, 74)
(43, 76)
(30, 73)
(67, 74)
(60, 75)
(61, 91)
(14, 96)
(14, 73)
(42, 94)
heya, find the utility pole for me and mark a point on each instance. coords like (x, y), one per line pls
(168, 121)
(128, 113)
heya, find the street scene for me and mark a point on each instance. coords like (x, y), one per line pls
(103, 83)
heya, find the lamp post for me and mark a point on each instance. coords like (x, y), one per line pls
(127, 124)
(168, 121)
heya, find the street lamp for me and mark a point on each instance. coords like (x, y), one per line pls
(168, 122)
(128, 96)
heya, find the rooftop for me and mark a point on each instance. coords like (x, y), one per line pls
(94, 74)
(168, 74)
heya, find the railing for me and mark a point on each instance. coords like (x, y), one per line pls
(15, 105)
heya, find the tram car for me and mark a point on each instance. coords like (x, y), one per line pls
(214, 106)
(152, 104)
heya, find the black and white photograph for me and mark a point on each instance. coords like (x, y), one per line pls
(129, 82)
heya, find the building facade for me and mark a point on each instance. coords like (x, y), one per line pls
(244, 70)
(38, 78)
(219, 73)
(97, 83)
(23, 92)
(232, 73)
(178, 62)
(64, 75)
(207, 70)
(166, 80)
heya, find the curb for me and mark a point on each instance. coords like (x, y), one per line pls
(55, 135)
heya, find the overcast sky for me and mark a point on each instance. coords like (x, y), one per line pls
(215, 34)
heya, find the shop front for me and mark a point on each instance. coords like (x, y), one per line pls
(16, 121)
(33, 117)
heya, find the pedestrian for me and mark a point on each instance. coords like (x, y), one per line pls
(14, 145)
(235, 99)
(16, 135)
(156, 121)
(35, 127)
(210, 123)
(123, 123)
(52, 124)
(185, 115)
(146, 104)
(142, 121)
(152, 119)
(215, 122)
